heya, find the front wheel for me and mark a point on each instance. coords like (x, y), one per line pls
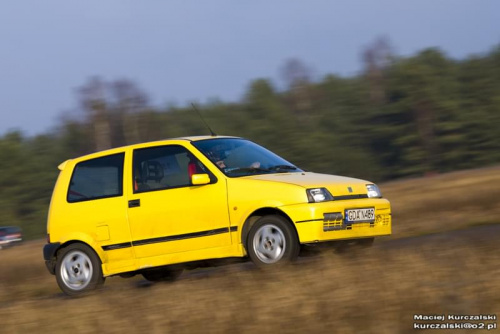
(271, 241)
(78, 270)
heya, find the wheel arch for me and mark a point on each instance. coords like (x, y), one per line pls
(76, 241)
(254, 216)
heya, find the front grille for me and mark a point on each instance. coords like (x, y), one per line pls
(333, 221)
(333, 226)
(347, 197)
(383, 219)
(359, 225)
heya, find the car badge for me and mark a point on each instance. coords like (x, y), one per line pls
(350, 189)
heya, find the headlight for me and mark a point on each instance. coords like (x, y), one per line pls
(317, 195)
(373, 191)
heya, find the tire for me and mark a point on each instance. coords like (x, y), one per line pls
(78, 270)
(272, 241)
(163, 274)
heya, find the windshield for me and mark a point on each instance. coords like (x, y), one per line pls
(240, 157)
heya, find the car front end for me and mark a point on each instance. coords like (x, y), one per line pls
(335, 207)
(322, 207)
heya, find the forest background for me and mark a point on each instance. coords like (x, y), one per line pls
(401, 117)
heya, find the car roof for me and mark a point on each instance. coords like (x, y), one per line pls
(159, 142)
(197, 138)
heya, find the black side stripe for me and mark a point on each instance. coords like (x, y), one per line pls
(171, 238)
(310, 220)
(180, 236)
(117, 246)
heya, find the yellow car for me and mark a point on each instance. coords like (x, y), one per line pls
(154, 208)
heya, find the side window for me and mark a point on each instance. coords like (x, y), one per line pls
(97, 178)
(165, 167)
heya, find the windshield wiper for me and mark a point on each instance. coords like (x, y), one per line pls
(276, 168)
(247, 169)
(282, 168)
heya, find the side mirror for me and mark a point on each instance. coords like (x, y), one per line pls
(200, 179)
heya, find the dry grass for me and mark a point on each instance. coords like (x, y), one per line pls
(444, 202)
(364, 291)
(374, 290)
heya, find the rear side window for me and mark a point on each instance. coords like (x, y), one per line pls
(97, 178)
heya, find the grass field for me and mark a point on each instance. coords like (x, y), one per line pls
(444, 202)
(375, 290)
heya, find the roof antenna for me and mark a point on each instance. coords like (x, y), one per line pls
(212, 133)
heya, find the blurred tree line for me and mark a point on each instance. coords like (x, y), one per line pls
(401, 117)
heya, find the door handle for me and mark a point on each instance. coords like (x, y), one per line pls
(134, 203)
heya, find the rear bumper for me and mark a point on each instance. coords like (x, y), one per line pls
(49, 255)
(314, 226)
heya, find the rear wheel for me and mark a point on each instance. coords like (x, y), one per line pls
(78, 270)
(272, 241)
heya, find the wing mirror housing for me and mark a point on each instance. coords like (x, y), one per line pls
(200, 179)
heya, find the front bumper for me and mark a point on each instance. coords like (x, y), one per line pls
(316, 222)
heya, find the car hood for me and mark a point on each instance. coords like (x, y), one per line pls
(337, 185)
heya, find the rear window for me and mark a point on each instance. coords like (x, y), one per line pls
(97, 178)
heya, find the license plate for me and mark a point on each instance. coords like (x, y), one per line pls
(360, 215)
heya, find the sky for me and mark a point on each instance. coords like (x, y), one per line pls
(182, 51)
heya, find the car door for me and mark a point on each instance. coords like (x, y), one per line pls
(166, 213)
(94, 204)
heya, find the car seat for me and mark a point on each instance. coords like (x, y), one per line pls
(151, 171)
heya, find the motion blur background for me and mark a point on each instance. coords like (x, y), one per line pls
(376, 90)
(406, 94)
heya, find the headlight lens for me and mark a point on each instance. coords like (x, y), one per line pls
(317, 195)
(373, 191)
